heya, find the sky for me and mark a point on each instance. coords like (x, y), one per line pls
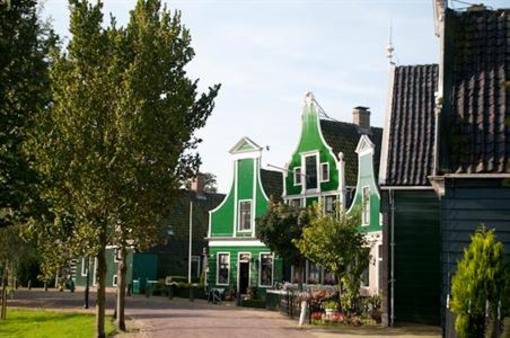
(268, 53)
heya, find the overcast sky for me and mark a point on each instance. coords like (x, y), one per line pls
(268, 53)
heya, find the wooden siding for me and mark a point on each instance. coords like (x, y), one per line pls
(417, 259)
(468, 203)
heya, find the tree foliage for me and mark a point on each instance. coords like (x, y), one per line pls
(335, 243)
(479, 281)
(119, 137)
(279, 227)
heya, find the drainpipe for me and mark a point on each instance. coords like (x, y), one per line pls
(392, 261)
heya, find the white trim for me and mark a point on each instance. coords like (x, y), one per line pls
(300, 175)
(304, 186)
(234, 225)
(260, 269)
(387, 126)
(114, 280)
(115, 258)
(245, 139)
(322, 179)
(218, 267)
(239, 269)
(254, 194)
(325, 196)
(379, 261)
(83, 271)
(234, 242)
(239, 216)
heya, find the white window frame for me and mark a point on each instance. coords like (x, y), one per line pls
(84, 266)
(115, 255)
(365, 206)
(94, 275)
(307, 275)
(304, 156)
(296, 175)
(327, 170)
(239, 269)
(260, 269)
(114, 280)
(218, 268)
(296, 199)
(239, 215)
(324, 200)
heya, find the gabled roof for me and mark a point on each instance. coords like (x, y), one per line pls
(475, 136)
(272, 183)
(410, 127)
(245, 145)
(344, 137)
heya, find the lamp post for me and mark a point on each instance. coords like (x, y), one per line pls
(190, 244)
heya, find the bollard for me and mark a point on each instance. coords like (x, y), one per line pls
(129, 288)
(45, 286)
(30, 284)
(191, 294)
(238, 299)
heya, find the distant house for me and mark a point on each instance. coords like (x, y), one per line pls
(169, 258)
(335, 163)
(238, 260)
(447, 130)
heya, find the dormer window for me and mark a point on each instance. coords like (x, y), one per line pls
(297, 176)
(245, 215)
(324, 172)
(311, 171)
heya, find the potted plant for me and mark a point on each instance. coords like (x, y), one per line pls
(331, 307)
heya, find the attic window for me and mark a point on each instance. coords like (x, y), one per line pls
(324, 172)
(311, 171)
(297, 176)
(245, 215)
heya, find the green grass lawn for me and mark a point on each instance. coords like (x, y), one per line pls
(50, 324)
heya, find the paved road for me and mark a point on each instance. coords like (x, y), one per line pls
(159, 317)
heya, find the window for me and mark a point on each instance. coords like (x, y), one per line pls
(114, 281)
(311, 171)
(329, 278)
(297, 176)
(365, 278)
(365, 212)
(116, 255)
(266, 269)
(324, 172)
(84, 266)
(295, 203)
(330, 204)
(314, 273)
(244, 215)
(223, 267)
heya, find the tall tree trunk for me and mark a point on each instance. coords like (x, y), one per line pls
(121, 289)
(5, 279)
(101, 293)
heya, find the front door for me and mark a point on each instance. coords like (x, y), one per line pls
(244, 275)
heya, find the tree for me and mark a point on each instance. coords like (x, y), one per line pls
(279, 227)
(479, 281)
(24, 91)
(119, 137)
(337, 244)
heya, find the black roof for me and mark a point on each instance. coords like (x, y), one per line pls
(272, 182)
(475, 135)
(344, 137)
(410, 147)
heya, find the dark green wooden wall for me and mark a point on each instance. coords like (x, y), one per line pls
(417, 257)
(468, 203)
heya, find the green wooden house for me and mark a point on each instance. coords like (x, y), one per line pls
(335, 164)
(237, 259)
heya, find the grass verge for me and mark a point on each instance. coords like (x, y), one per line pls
(37, 323)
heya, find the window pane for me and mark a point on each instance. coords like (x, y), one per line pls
(314, 273)
(311, 172)
(329, 278)
(297, 176)
(266, 269)
(325, 172)
(245, 215)
(223, 268)
(365, 216)
(296, 203)
(330, 204)
(365, 278)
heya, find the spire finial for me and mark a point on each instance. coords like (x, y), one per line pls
(389, 47)
(309, 98)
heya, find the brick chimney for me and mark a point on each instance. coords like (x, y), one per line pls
(361, 117)
(198, 183)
